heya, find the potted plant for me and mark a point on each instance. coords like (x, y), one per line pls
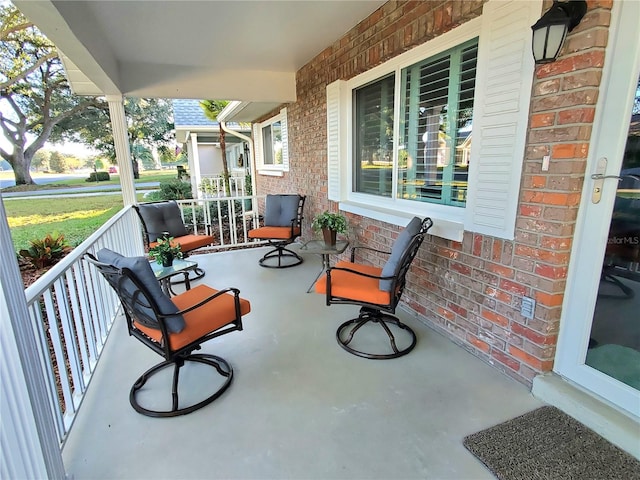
(164, 253)
(330, 224)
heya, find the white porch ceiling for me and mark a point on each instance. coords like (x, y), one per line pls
(233, 50)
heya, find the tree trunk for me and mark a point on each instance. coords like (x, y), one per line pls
(136, 168)
(21, 166)
(225, 168)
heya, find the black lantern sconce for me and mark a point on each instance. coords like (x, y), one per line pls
(550, 31)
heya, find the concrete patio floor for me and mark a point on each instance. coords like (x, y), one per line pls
(299, 406)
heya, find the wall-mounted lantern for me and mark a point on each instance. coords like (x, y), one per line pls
(550, 31)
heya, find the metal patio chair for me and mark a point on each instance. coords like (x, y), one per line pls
(282, 225)
(377, 291)
(172, 327)
(163, 219)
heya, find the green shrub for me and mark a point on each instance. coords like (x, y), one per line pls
(153, 196)
(175, 189)
(98, 177)
(46, 252)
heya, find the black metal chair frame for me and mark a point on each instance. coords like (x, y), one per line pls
(381, 314)
(280, 250)
(177, 358)
(198, 272)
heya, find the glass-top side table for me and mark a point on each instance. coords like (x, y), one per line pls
(320, 248)
(164, 274)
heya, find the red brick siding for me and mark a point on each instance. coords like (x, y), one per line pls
(471, 291)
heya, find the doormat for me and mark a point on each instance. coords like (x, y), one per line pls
(548, 444)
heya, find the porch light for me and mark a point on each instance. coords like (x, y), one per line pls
(550, 31)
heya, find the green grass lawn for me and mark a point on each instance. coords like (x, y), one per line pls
(147, 176)
(74, 217)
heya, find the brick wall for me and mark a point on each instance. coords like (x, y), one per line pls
(471, 291)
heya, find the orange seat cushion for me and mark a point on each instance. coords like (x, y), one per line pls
(209, 317)
(352, 286)
(280, 233)
(189, 242)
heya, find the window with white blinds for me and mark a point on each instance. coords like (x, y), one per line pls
(373, 155)
(439, 130)
(437, 118)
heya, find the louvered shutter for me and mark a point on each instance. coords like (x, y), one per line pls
(333, 141)
(502, 98)
(285, 139)
(257, 145)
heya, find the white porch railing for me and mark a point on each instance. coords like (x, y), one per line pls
(72, 308)
(71, 311)
(213, 185)
(228, 219)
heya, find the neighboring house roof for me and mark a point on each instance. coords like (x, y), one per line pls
(188, 113)
(189, 117)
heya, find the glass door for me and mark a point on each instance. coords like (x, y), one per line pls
(599, 338)
(614, 341)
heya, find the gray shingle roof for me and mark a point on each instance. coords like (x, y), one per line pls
(189, 113)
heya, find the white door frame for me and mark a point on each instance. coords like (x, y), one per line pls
(608, 139)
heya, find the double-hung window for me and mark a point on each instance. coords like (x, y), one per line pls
(435, 131)
(435, 119)
(439, 130)
(270, 141)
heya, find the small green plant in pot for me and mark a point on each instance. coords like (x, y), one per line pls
(330, 224)
(164, 253)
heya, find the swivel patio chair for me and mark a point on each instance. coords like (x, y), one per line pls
(377, 291)
(172, 327)
(282, 225)
(163, 219)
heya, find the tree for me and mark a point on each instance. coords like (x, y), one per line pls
(35, 97)
(149, 124)
(212, 109)
(40, 159)
(57, 162)
(144, 155)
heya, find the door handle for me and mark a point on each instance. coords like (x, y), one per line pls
(598, 179)
(599, 176)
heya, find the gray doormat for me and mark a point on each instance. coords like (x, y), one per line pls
(548, 444)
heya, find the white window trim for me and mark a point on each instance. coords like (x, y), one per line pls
(271, 170)
(449, 221)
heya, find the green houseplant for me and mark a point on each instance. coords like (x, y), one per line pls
(330, 224)
(164, 253)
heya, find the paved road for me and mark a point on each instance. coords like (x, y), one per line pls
(41, 179)
(89, 190)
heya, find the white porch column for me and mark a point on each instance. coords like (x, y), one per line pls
(194, 164)
(123, 152)
(29, 442)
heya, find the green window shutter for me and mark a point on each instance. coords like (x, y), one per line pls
(503, 94)
(334, 138)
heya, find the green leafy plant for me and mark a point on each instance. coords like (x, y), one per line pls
(175, 189)
(331, 221)
(164, 253)
(47, 251)
(99, 177)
